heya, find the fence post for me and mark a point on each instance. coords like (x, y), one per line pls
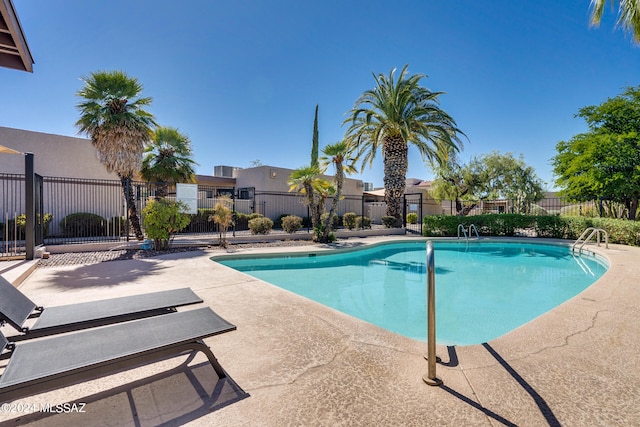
(362, 214)
(30, 206)
(233, 213)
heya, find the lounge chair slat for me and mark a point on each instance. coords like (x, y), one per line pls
(90, 314)
(15, 307)
(76, 355)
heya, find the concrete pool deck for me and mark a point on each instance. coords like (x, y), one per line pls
(304, 364)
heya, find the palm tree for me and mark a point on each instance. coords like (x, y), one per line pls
(628, 15)
(112, 114)
(338, 155)
(306, 181)
(167, 159)
(391, 116)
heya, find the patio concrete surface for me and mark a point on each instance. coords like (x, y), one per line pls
(293, 362)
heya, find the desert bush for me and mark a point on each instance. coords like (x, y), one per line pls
(363, 222)
(83, 224)
(222, 215)
(412, 218)
(19, 224)
(389, 221)
(241, 221)
(291, 223)
(260, 225)
(335, 221)
(586, 210)
(318, 235)
(200, 222)
(349, 220)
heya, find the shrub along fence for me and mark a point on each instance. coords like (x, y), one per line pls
(571, 227)
(87, 210)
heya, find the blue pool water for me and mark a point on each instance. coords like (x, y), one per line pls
(483, 289)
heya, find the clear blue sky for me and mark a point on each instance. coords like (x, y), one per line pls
(242, 78)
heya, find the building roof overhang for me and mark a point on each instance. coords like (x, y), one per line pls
(14, 51)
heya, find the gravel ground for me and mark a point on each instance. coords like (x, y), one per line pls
(74, 258)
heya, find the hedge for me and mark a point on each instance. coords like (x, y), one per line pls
(620, 231)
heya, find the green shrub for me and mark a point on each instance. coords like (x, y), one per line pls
(440, 225)
(335, 223)
(318, 235)
(83, 224)
(551, 226)
(241, 221)
(363, 222)
(349, 220)
(412, 218)
(260, 225)
(291, 223)
(255, 215)
(162, 219)
(117, 226)
(389, 221)
(619, 230)
(199, 222)
(19, 224)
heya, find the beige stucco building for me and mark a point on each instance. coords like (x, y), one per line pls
(54, 155)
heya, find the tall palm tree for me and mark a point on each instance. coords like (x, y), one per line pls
(393, 115)
(628, 15)
(338, 155)
(168, 159)
(113, 115)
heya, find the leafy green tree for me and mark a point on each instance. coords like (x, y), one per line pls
(594, 166)
(113, 115)
(488, 177)
(628, 15)
(392, 115)
(168, 159)
(338, 155)
(162, 220)
(604, 163)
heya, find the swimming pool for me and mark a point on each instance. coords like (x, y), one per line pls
(483, 289)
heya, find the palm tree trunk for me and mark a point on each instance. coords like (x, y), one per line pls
(328, 226)
(314, 205)
(633, 208)
(162, 189)
(395, 175)
(134, 220)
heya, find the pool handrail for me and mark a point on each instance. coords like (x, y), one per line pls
(472, 227)
(593, 231)
(464, 231)
(430, 377)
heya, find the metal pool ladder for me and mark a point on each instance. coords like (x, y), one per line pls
(472, 227)
(587, 235)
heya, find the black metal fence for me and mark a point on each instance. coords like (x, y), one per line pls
(86, 210)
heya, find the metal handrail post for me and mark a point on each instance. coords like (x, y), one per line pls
(430, 378)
